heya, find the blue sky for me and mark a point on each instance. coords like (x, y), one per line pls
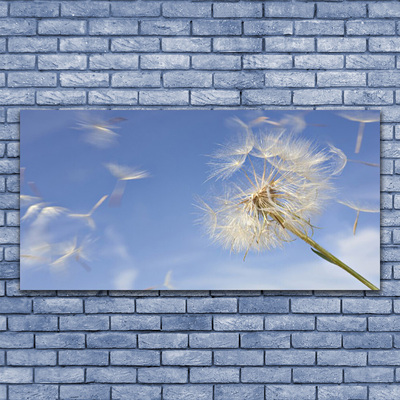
(154, 230)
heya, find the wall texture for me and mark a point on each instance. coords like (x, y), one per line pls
(199, 345)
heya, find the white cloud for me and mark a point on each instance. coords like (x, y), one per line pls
(125, 279)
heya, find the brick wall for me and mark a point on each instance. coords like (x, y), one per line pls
(199, 345)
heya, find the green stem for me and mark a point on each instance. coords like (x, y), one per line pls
(331, 257)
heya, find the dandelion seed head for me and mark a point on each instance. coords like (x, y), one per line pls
(124, 173)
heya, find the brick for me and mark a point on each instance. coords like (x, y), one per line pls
(109, 96)
(16, 340)
(232, 392)
(36, 9)
(237, 45)
(317, 96)
(164, 61)
(386, 323)
(130, 392)
(214, 375)
(291, 392)
(370, 61)
(61, 61)
(83, 79)
(382, 10)
(110, 375)
(165, 28)
(135, 44)
(264, 96)
(261, 340)
(114, 61)
(316, 27)
(31, 357)
(186, 79)
(215, 97)
(342, 78)
(288, 10)
(16, 375)
(101, 306)
(19, 26)
(214, 340)
(368, 97)
(264, 305)
(217, 28)
(83, 357)
(238, 10)
(84, 322)
(317, 375)
(37, 392)
(94, 391)
(186, 323)
(111, 340)
(212, 305)
(216, 62)
(64, 97)
(153, 97)
(194, 45)
(32, 79)
(136, 79)
(366, 306)
(289, 79)
(383, 79)
(9, 201)
(163, 340)
(135, 9)
(17, 61)
(31, 45)
(186, 357)
(341, 45)
(15, 306)
(162, 375)
(344, 11)
(365, 27)
(59, 375)
(269, 27)
(113, 27)
(367, 341)
(61, 27)
(263, 375)
(32, 322)
(386, 44)
(238, 357)
(182, 9)
(135, 322)
(290, 357)
(342, 358)
(179, 392)
(289, 323)
(92, 9)
(321, 340)
(367, 374)
(135, 357)
(341, 323)
(87, 45)
(319, 61)
(241, 323)
(336, 392)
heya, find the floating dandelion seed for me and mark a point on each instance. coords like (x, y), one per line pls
(358, 208)
(363, 118)
(284, 183)
(123, 174)
(167, 283)
(26, 200)
(71, 251)
(88, 217)
(33, 210)
(99, 132)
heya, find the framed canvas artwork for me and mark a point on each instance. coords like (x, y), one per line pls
(200, 200)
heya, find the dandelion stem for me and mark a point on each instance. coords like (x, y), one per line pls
(331, 257)
(360, 136)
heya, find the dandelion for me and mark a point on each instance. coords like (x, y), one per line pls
(123, 174)
(284, 181)
(98, 132)
(363, 118)
(71, 251)
(167, 283)
(88, 216)
(358, 208)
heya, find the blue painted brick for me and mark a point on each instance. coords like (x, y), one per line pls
(184, 79)
(34, 9)
(16, 340)
(87, 45)
(84, 322)
(266, 375)
(335, 392)
(384, 357)
(267, 61)
(216, 62)
(238, 357)
(162, 375)
(240, 323)
(382, 10)
(101, 306)
(129, 392)
(135, 357)
(83, 357)
(319, 61)
(165, 28)
(317, 96)
(86, 9)
(237, 45)
(92, 391)
(233, 392)
(135, 322)
(113, 27)
(342, 358)
(238, 10)
(135, 44)
(372, 61)
(288, 10)
(317, 375)
(19, 26)
(214, 375)
(367, 341)
(342, 78)
(341, 45)
(83, 79)
(264, 305)
(16, 375)
(212, 305)
(194, 45)
(291, 392)
(32, 45)
(135, 9)
(217, 27)
(264, 96)
(367, 306)
(368, 374)
(290, 79)
(37, 392)
(109, 96)
(111, 375)
(387, 44)
(214, 97)
(62, 61)
(58, 97)
(182, 9)
(113, 61)
(186, 357)
(32, 322)
(32, 79)
(184, 392)
(371, 27)
(321, 340)
(31, 357)
(341, 323)
(111, 340)
(339, 11)
(61, 27)
(15, 306)
(59, 375)
(186, 323)
(57, 306)
(290, 357)
(261, 340)
(270, 27)
(384, 323)
(289, 323)
(368, 97)
(316, 27)
(17, 61)
(163, 340)
(164, 61)
(214, 340)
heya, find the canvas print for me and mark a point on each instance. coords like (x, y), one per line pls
(200, 200)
